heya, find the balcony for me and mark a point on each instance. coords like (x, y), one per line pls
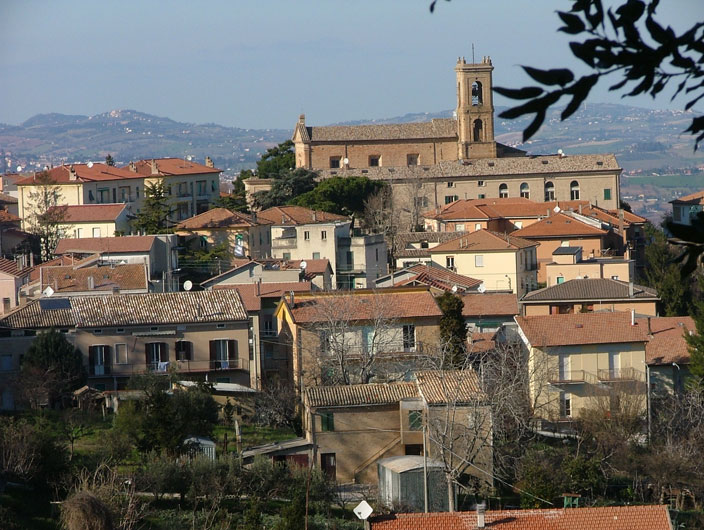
(284, 242)
(571, 377)
(618, 375)
(125, 369)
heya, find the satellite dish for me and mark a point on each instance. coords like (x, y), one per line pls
(189, 158)
(363, 510)
(481, 288)
(559, 152)
(19, 168)
(454, 288)
(89, 164)
(187, 285)
(346, 161)
(48, 291)
(556, 209)
(304, 264)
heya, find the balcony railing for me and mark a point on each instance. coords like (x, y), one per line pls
(127, 369)
(620, 374)
(571, 377)
(284, 242)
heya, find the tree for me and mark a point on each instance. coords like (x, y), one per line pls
(154, 216)
(237, 200)
(285, 187)
(109, 160)
(277, 160)
(340, 195)
(453, 331)
(695, 345)
(51, 369)
(45, 214)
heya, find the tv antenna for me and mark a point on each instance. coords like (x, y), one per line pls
(472, 53)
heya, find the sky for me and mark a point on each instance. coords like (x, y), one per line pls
(261, 63)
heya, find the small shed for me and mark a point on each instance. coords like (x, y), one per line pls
(401, 483)
(199, 445)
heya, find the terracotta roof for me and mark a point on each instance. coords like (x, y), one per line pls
(7, 217)
(9, 266)
(449, 386)
(106, 244)
(590, 289)
(131, 310)
(667, 344)
(104, 278)
(217, 218)
(692, 199)
(599, 518)
(169, 166)
(488, 167)
(581, 328)
(436, 128)
(368, 394)
(405, 239)
(8, 199)
(58, 261)
(297, 215)
(83, 173)
(489, 304)
(86, 213)
(314, 267)
(482, 342)
(559, 225)
(483, 240)
(440, 278)
(364, 304)
(252, 300)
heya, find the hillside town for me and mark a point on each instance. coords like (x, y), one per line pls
(413, 321)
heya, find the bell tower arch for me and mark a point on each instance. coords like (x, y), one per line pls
(475, 109)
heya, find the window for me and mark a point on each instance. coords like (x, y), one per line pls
(450, 199)
(566, 405)
(184, 350)
(549, 191)
(481, 183)
(335, 162)
(482, 196)
(120, 353)
(412, 160)
(450, 184)
(503, 191)
(374, 160)
(476, 93)
(124, 194)
(223, 354)
(78, 232)
(6, 305)
(477, 226)
(202, 187)
(269, 326)
(420, 202)
(574, 190)
(479, 260)
(525, 190)
(306, 235)
(316, 255)
(459, 227)
(614, 277)
(607, 194)
(287, 256)
(450, 262)
(214, 186)
(96, 232)
(565, 243)
(477, 131)
(327, 421)
(323, 235)
(560, 279)
(415, 420)
(99, 359)
(376, 251)
(328, 465)
(409, 338)
(157, 356)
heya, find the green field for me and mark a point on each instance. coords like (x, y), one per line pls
(667, 181)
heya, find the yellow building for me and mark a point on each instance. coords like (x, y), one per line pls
(502, 262)
(95, 220)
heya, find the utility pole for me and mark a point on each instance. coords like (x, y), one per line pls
(425, 470)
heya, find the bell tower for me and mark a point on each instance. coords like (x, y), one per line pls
(475, 110)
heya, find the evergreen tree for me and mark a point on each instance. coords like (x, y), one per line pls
(453, 331)
(695, 345)
(153, 218)
(109, 160)
(285, 187)
(277, 160)
(340, 195)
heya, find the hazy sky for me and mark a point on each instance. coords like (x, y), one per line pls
(259, 63)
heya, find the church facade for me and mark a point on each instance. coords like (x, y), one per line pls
(430, 164)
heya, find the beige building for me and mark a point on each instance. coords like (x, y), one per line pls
(585, 360)
(686, 209)
(95, 220)
(568, 265)
(503, 262)
(434, 163)
(12, 278)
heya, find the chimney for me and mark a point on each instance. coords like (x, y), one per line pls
(302, 119)
(630, 289)
(315, 216)
(580, 208)
(155, 169)
(259, 287)
(650, 331)
(633, 317)
(132, 167)
(209, 162)
(293, 299)
(71, 172)
(481, 508)
(91, 283)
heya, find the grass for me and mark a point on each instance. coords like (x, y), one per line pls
(251, 435)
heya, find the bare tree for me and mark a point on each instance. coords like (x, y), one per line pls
(45, 214)
(382, 217)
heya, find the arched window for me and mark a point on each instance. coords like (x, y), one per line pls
(477, 131)
(549, 191)
(503, 191)
(476, 93)
(525, 190)
(574, 190)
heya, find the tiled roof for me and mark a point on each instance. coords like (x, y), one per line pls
(440, 278)
(86, 213)
(404, 239)
(9, 266)
(559, 225)
(131, 310)
(487, 167)
(217, 218)
(581, 328)
(437, 128)
(598, 518)
(252, 300)
(448, 386)
(7, 217)
(57, 262)
(72, 279)
(590, 289)
(314, 267)
(667, 344)
(106, 244)
(482, 240)
(489, 304)
(363, 304)
(170, 166)
(8, 199)
(692, 199)
(482, 342)
(297, 215)
(368, 394)
(83, 173)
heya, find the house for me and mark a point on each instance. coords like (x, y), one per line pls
(590, 294)
(437, 278)
(337, 335)
(585, 360)
(243, 234)
(10, 234)
(601, 518)
(410, 248)
(563, 230)
(12, 278)
(685, 209)
(502, 261)
(299, 233)
(9, 203)
(200, 335)
(489, 312)
(159, 253)
(95, 220)
(568, 264)
(667, 353)
(316, 271)
(94, 280)
(342, 423)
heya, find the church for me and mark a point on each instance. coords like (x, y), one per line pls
(434, 163)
